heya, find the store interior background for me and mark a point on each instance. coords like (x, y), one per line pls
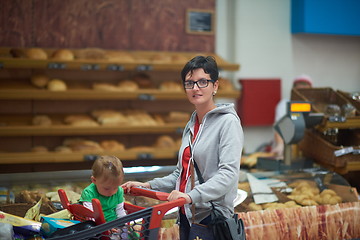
(255, 34)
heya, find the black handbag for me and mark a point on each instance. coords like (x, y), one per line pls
(222, 228)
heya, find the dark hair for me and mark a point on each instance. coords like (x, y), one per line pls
(208, 64)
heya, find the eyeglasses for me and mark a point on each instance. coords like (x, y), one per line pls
(202, 83)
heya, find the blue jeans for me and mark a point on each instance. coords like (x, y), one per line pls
(184, 227)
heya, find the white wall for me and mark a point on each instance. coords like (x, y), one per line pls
(256, 34)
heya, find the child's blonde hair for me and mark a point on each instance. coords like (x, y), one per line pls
(108, 166)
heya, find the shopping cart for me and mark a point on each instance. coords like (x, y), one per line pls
(140, 223)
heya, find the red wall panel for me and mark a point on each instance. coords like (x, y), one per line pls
(259, 97)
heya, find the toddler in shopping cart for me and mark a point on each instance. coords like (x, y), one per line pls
(107, 176)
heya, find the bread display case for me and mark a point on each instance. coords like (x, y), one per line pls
(335, 143)
(307, 204)
(127, 103)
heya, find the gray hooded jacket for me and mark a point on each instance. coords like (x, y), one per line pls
(217, 152)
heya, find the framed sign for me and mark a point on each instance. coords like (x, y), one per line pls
(200, 21)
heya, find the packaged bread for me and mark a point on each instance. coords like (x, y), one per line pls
(56, 85)
(165, 141)
(80, 120)
(63, 54)
(39, 80)
(112, 145)
(41, 120)
(109, 117)
(128, 85)
(36, 53)
(171, 86)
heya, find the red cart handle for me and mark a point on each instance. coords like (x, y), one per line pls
(146, 192)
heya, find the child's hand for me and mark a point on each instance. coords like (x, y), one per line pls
(128, 185)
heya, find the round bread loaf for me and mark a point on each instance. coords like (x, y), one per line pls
(41, 120)
(112, 145)
(39, 80)
(63, 54)
(36, 53)
(165, 141)
(171, 86)
(127, 85)
(57, 85)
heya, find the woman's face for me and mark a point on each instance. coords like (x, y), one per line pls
(200, 96)
(106, 186)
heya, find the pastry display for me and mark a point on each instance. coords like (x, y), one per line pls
(56, 85)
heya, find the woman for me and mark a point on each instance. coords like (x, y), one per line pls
(213, 138)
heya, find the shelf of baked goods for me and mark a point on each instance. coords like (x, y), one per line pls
(98, 122)
(140, 94)
(75, 149)
(54, 157)
(42, 87)
(94, 59)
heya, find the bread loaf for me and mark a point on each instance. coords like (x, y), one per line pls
(80, 145)
(90, 53)
(127, 85)
(41, 120)
(56, 85)
(80, 120)
(109, 117)
(39, 80)
(63, 54)
(165, 141)
(122, 57)
(36, 53)
(175, 116)
(105, 87)
(171, 86)
(112, 145)
(143, 80)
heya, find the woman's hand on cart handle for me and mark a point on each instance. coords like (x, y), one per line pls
(128, 185)
(177, 194)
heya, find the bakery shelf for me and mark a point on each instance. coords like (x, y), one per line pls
(63, 130)
(143, 61)
(348, 124)
(89, 94)
(53, 157)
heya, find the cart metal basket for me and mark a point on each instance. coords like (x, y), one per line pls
(140, 223)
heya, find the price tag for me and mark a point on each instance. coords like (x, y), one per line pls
(90, 157)
(343, 151)
(54, 65)
(144, 156)
(144, 68)
(87, 67)
(114, 67)
(146, 97)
